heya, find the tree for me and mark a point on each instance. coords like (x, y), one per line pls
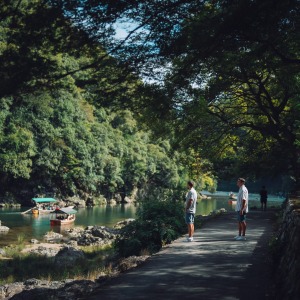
(241, 57)
(63, 126)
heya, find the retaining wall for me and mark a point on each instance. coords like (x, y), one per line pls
(288, 253)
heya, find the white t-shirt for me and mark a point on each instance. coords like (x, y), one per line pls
(192, 194)
(243, 194)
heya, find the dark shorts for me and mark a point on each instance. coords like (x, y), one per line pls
(189, 218)
(241, 218)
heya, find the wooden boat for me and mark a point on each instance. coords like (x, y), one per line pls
(42, 206)
(63, 216)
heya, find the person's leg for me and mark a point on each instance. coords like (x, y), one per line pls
(244, 227)
(189, 230)
(265, 205)
(192, 230)
(240, 228)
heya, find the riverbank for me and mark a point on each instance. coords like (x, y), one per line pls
(214, 266)
(84, 259)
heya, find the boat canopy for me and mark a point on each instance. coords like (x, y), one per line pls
(65, 210)
(43, 200)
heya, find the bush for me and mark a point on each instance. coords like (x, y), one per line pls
(158, 223)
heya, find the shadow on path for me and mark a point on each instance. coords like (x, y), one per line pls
(214, 266)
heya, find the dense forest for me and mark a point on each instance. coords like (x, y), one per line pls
(197, 89)
(68, 119)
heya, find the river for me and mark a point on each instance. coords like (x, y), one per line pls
(29, 226)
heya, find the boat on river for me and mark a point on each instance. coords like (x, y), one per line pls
(44, 206)
(63, 216)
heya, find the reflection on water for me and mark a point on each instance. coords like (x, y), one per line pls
(31, 226)
(35, 226)
(61, 229)
(205, 206)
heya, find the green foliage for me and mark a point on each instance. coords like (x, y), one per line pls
(231, 81)
(158, 223)
(61, 126)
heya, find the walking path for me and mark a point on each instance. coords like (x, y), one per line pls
(214, 266)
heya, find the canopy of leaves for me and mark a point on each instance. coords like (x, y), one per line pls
(64, 122)
(240, 58)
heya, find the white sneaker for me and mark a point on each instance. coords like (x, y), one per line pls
(236, 237)
(241, 238)
(190, 239)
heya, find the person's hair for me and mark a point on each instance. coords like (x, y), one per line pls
(190, 183)
(242, 180)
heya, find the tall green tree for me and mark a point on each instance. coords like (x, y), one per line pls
(241, 57)
(63, 126)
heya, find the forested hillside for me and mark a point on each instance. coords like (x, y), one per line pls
(60, 130)
(201, 89)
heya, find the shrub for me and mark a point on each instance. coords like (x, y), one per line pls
(158, 223)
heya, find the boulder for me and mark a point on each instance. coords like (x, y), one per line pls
(4, 229)
(128, 200)
(76, 201)
(89, 240)
(68, 256)
(131, 262)
(123, 223)
(34, 241)
(118, 198)
(111, 202)
(45, 251)
(75, 232)
(103, 232)
(53, 236)
(9, 290)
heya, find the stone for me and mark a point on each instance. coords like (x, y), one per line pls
(111, 202)
(68, 255)
(12, 289)
(34, 241)
(128, 200)
(45, 251)
(131, 262)
(123, 223)
(53, 236)
(4, 229)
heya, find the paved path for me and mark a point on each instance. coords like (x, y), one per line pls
(214, 266)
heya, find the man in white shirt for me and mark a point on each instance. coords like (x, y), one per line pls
(241, 209)
(190, 209)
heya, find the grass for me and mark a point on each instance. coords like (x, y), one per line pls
(22, 266)
(15, 250)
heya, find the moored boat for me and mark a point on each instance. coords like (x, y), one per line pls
(42, 206)
(63, 216)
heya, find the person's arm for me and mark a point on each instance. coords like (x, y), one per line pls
(189, 203)
(243, 206)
